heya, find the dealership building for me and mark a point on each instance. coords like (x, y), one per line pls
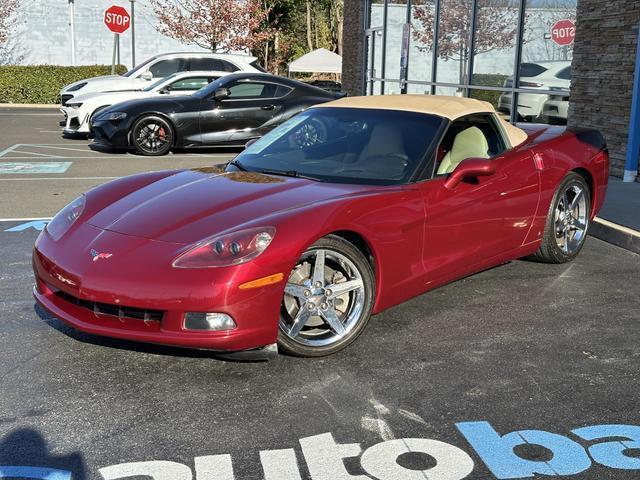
(559, 61)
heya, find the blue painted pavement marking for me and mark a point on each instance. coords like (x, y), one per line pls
(33, 167)
(37, 473)
(36, 225)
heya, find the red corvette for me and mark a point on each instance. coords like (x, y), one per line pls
(345, 210)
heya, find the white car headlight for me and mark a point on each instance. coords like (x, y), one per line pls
(77, 87)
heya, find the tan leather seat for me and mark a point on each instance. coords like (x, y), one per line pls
(386, 139)
(469, 143)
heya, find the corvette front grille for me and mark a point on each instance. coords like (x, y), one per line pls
(119, 311)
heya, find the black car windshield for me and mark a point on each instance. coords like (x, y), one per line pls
(346, 145)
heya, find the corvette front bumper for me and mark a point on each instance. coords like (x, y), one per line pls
(114, 298)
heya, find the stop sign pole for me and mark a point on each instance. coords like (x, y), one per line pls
(117, 20)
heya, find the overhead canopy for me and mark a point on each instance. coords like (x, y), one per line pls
(318, 61)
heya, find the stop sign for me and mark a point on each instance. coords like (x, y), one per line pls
(563, 32)
(117, 19)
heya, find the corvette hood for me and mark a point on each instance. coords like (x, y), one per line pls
(194, 204)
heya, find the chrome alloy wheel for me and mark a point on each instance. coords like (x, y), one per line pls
(324, 298)
(571, 219)
(152, 136)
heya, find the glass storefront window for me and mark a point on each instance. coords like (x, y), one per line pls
(492, 29)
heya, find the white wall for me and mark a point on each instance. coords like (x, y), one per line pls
(44, 33)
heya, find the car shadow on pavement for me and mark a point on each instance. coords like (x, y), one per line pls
(130, 345)
(24, 453)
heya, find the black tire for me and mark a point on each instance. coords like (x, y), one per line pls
(357, 307)
(550, 251)
(152, 136)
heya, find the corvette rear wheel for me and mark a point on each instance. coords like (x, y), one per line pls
(328, 299)
(567, 221)
(152, 136)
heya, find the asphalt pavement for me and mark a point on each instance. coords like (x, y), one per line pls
(40, 171)
(488, 377)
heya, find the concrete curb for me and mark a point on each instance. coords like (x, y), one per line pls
(615, 234)
(30, 105)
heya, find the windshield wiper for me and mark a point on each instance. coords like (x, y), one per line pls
(238, 165)
(289, 173)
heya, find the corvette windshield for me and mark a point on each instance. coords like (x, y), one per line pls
(346, 145)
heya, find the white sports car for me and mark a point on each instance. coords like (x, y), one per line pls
(159, 67)
(79, 111)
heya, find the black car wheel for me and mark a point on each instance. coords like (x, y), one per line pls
(152, 136)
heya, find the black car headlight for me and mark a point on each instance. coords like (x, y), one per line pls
(113, 116)
(77, 87)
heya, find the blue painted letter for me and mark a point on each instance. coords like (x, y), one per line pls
(34, 473)
(496, 451)
(611, 454)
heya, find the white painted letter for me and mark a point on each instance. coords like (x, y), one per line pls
(214, 467)
(156, 470)
(280, 465)
(452, 463)
(324, 457)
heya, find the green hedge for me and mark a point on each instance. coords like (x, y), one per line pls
(42, 83)
(489, 81)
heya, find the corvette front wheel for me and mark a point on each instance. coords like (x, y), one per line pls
(327, 300)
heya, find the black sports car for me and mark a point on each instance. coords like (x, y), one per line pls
(228, 112)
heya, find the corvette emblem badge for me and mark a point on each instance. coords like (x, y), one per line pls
(97, 255)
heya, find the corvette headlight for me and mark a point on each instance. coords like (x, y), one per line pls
(226, 250)
(77, 87)
(74, 105)
(66, 217)
(115, 116)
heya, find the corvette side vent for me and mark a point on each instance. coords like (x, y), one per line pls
(119, 311)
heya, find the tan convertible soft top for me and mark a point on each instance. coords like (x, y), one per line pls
(440, 105)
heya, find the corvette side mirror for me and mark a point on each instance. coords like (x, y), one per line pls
(147, 76)
(221, 93)
(469, 168)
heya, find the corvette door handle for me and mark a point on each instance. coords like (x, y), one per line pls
(268, 107)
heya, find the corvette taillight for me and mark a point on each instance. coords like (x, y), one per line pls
(228, 249)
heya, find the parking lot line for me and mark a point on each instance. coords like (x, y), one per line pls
(35, 153)
(24, 219)
(9, 149)
(55, 178)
